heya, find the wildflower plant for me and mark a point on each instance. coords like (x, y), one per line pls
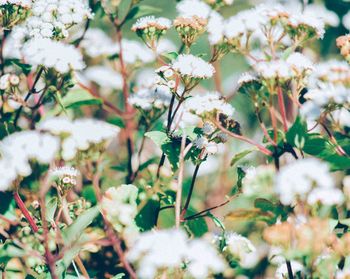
(174, 139)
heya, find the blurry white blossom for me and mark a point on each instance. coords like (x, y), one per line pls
(190, 66)
(296, 180)
(156, 251)
(19, 149)
(80, 134)
(52, 54)
(104, 76)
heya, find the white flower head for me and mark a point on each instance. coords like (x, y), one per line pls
(52, 54)
(146, 22)
(209, 103)
(191, 66)
(79, 135)
(297, 179)
(19, 149)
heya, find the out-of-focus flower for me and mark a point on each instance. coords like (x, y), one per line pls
(97, 43)
(120, 207)
(343, 42)
(167, 250)
(19, 149)
(53, 18)
(52, 54)
(190, 66)
(296, 180)
(79, 135)
(104, 76)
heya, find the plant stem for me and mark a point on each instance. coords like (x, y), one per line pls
(260, 147)
(50, 259)
(25, 211)
(189, 195)
(178, 213)
(282, 108)
(290, 270)
(116, 242)
(30, 92)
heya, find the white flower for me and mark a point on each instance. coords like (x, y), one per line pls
(282, 270)
(160, 23)
(300, 64)
(325, 196)
(258, 180)
(158, 96)
(346, 20)
(215, 28)
(310, 20)
(97, 43)
(18, 149)
(208, 128)
(79, 135)
(156, 250)
(211, 102)
(65, 174)
(119, 206)
(200, 142)
(4, 82)
(104, 77)
(320, 11)
(274, 69)
(189, 8)
(238, 246)
(297, 179)
(53, 17)
(246, 78)
(203, 259)
(191, 66)
(53, 54)
(134, 51)
(342, 117)
(165, 250)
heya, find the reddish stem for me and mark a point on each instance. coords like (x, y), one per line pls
(282, 108)
(25, 212)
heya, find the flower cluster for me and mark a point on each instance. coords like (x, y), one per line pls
(52, 19)
(51, 54)
(307, 180)
(120, 208)
(150, 29)
(19, 149)
(79, 135)
(169, 249)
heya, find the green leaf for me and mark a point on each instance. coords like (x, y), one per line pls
(146, 219)
(297, 132)
(170, 56)
(198, 226)
(26, 68)
(158, 137)
(74, 231)
(241, 155)
(238, 186)
(51, 207)
(117, 121)
(216, 221)
(142, 10)
(80, 97)
(119, 276)
(9, 251)
(264, 204)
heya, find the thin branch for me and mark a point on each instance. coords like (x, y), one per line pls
(25, 211)
(282, 108)
(260, 147)
(179, 182)
(189, 195)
